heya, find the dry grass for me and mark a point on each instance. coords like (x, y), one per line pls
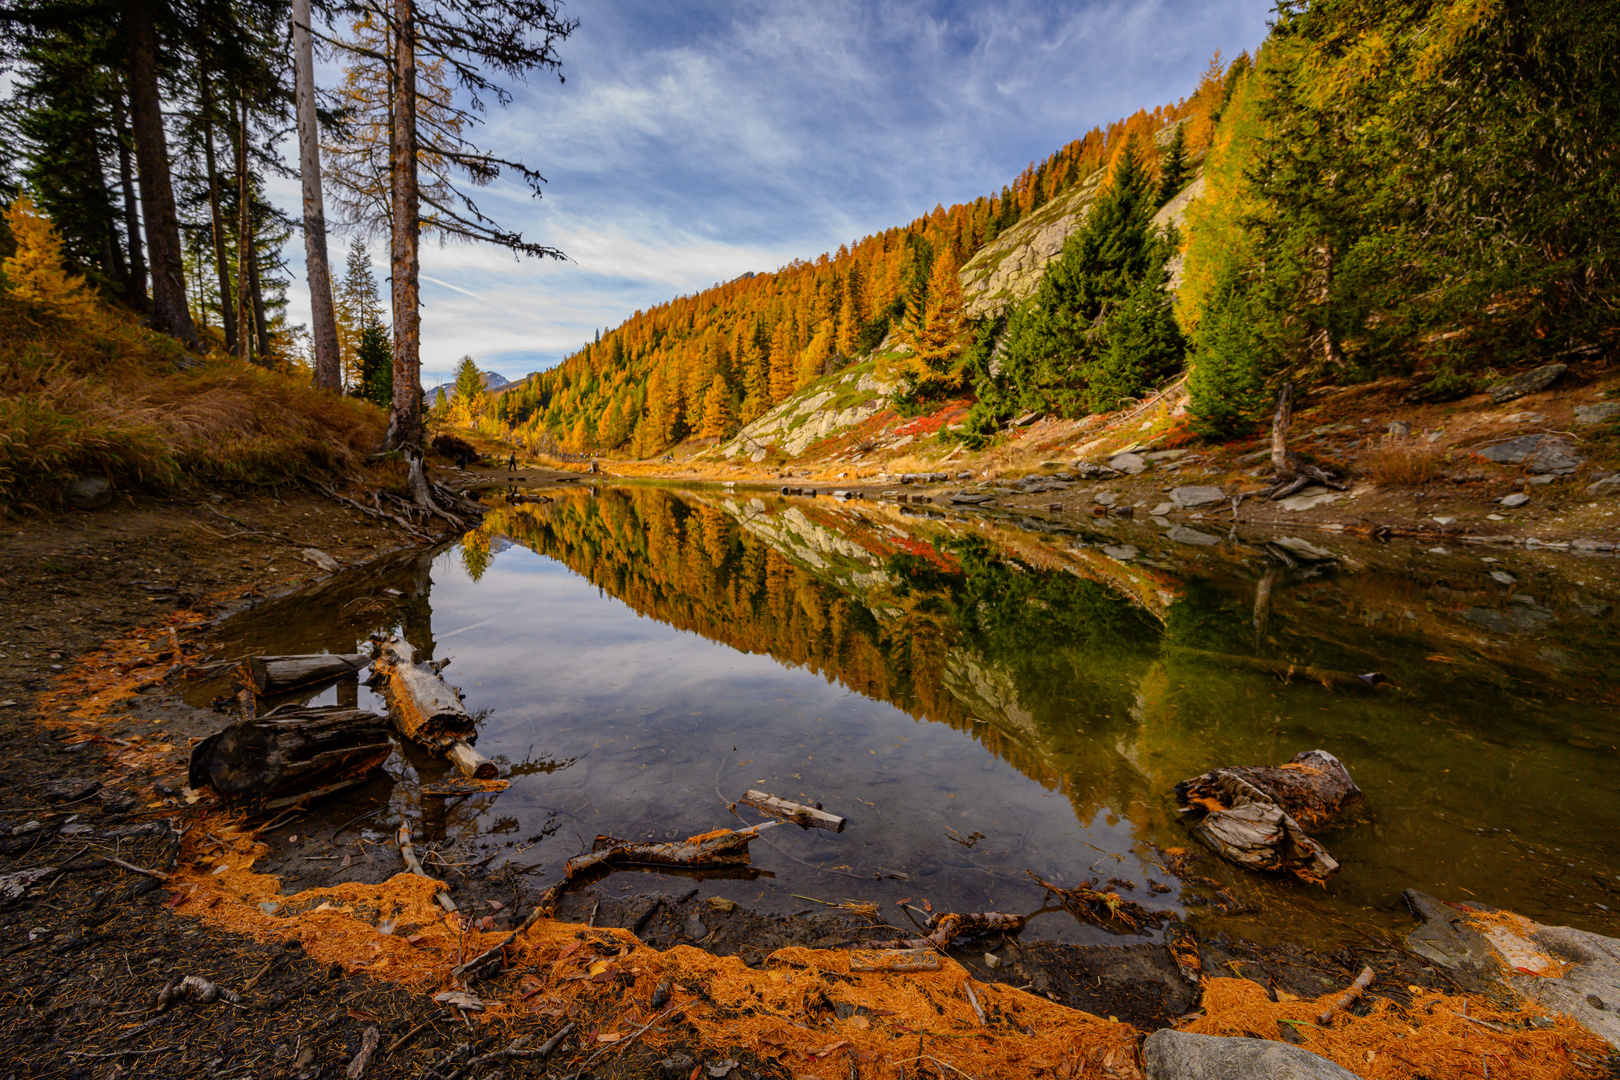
(109, 398)
(1401, 459)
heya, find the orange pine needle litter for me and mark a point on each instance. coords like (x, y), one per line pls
(1430, 1038)
(778, 1010)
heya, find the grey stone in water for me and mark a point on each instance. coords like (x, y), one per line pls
(1528, 383)
(1518, 498)
(1400, 427)
(89, 492)
(1504, 577)
(1169, 1054)
(1163, 509)
(1128, 463)
(1183, 535)
(1105, 498)
(1600, 413)
(1188, 497)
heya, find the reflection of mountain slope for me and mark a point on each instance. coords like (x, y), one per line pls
(1039, 666)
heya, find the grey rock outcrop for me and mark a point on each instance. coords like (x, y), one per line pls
(1528, 383)
(1133, 464)
(1196, 495)
(1169, 1054)
(1558, 968)
(1598, 413)
(1538, 453)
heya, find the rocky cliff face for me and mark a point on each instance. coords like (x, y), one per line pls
(1008, 269)
(835, 403)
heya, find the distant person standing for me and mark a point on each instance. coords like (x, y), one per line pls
(511, 462)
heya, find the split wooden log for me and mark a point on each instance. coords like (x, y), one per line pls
(426, 709)
(302, 752)
(720, 848)
(1313, 788)
(1254, 813)
(795, 813)
(278, 674)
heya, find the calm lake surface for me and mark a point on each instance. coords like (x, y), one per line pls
(984, 696)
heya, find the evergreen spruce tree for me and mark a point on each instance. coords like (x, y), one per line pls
(1059, 340)
(374, 357)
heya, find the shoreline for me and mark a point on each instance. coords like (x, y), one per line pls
(85, 582)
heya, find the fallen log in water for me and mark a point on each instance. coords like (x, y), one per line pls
(277, 674)
(302, 751)
(795, 813)
(720, 848)
(1251, 812)
(1288, 670)
(426, 709)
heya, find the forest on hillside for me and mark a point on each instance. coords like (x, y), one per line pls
(1420, 188)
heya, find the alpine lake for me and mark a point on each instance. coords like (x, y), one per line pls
(985, 694)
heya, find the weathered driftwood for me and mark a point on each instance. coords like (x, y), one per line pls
(300, 752)
(1106, 909)
(407, 853)
(794, 813)
(426, 709)
(1254, 813)
(894, 960)
(1290, 473)
(948, 926)
(446, 789)
(1348, 998)
(277, 674)
(720, 848)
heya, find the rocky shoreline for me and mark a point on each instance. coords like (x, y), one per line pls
(91, 943)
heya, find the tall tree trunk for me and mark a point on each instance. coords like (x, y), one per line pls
(169, 312)
(244, 238)
(227, 304)
(322, 316)
(405, 423)
(135, 283)
(261, 328)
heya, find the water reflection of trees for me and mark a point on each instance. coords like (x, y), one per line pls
(1041, 667)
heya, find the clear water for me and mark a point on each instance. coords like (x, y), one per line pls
(983, 697)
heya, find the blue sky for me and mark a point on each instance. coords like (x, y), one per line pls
(693, 142)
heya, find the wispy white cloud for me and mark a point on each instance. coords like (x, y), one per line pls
(695, 142)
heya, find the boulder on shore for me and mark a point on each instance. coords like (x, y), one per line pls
(1169, 1054)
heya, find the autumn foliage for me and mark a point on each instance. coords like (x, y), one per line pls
(699, 366)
